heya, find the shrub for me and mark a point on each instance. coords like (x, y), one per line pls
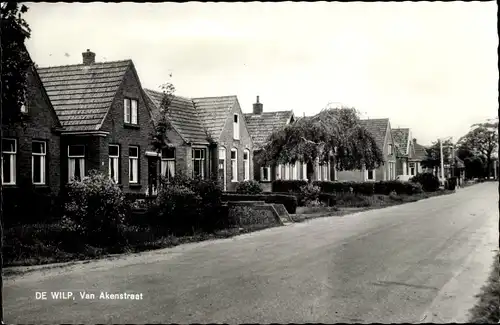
(310, 193)
(352, 200)
(96, 207)
(178, 208)
(408, 188)
(249, 187)
(329, 199)
(287, 186)
(209, 193)
(452, 183)
(362, 188)
(429, 182)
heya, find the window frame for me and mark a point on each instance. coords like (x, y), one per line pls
(43, 163)
(77, 158)
(268, 169)
(236, 126)
(246, 165)
(165, 161)
(222, 152)
(234, 165)
(129, 109)
(131, 165)
(13, 163)
(202, 159)
(115, 159)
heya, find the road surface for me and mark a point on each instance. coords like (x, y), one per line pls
(418, 262)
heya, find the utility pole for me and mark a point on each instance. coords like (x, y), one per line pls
(442, 159)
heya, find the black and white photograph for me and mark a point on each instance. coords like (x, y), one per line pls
(249, 162)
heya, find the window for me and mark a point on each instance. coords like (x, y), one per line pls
(133, 165)
(304, 171)
(370, 175)
(234, 165)
(130, 110)
(168, 163)
(287, 172)
(9, 150)
(278, 171)
(246, 164)
(390, 149)
(76, 162)
(265, 174)
(114, 157)
(412, 169)
(38, 162)
(198, 163)
(236, 127)
(222, 166)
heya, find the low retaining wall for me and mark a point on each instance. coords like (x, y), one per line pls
(254, 212)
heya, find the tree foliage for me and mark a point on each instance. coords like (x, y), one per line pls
(334, 132)
(161, 120)
(433, 154)
(15, 60)
(482, 139)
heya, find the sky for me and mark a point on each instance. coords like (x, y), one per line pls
(428, 66)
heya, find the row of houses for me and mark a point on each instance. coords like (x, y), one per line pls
(97, 116)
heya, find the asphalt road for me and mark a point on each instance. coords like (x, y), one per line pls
(418, 262)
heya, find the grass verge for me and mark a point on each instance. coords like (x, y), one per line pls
(487, 309)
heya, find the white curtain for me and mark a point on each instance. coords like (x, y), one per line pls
(134, 111)
(171, 168)
(247, 170)
(71, 168)
(133, 170)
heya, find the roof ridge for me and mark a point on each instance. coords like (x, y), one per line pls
(161, 93)
(283, 111)
(81, 64)
(225, 96)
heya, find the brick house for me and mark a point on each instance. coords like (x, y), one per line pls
(381, 130)
(409, 158)
(261, 125)
(107, 125)
(31, 152)
(211, 138)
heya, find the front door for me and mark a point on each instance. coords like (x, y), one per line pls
(152, 175)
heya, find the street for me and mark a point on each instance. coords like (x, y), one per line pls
(417, 262)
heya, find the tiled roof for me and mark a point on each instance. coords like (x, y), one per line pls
(82, 94)
(213, 113)
(400, 137)
(183, 116)
(261, 126)
(378, 128)
(420, 153)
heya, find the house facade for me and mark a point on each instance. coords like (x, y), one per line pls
(211, 136)
(30, 152)
(261, 125)
(381, 131)
(107, 124)
(409, 154)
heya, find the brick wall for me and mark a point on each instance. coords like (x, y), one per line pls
(40, 125)
(129, 135)
(226, 140)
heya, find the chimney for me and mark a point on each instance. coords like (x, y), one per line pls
(88, 57)
(257, 107)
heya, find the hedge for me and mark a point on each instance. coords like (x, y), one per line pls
(357, 188)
